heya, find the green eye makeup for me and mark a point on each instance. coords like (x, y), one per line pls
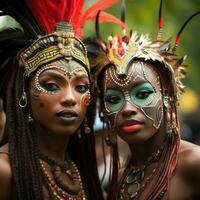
(142, 94)
(114, 100)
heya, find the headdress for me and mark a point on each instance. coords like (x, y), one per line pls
(49, 30)
(122, 50)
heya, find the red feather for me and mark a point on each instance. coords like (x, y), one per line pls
(109, 18)
(92, 10)
(49, 12)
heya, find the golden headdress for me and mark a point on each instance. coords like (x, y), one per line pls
(47, 30)
(120, 51)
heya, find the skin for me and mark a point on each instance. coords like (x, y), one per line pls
(69, 90)
(2, 119)
(143, 128)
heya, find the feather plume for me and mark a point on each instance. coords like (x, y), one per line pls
(109, 18)
(92, 10)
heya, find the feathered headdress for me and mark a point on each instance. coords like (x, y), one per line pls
(49, 28)
(121, 50)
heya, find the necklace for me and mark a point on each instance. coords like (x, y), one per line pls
(66, 181)
(134, 180)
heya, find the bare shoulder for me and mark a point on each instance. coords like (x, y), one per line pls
(189, 153)
(189, 163)
(5, 176)
(189, 156)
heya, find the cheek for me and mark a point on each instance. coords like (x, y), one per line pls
(84, 102)
(42, 104)
(154, 113)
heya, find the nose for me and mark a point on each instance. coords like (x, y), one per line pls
(129, 109)
(68, 97)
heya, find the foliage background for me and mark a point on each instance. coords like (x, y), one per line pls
(141, 16)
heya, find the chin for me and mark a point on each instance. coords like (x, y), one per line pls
(66, 131)
(133, 138)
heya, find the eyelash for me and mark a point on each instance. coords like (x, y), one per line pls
(50, 86)
(112, 99)
(146, 93)
(82, 88)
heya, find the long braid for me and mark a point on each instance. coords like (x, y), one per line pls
(168, 158)
(22, 146)
(82, 156)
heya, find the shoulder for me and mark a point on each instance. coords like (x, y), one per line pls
(189, 163)
(5, 175)
(189, 153)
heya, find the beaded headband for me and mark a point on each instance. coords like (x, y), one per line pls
(61, 44)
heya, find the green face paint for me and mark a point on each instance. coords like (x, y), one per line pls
(142, 94)
(114, 100)
(141, 89)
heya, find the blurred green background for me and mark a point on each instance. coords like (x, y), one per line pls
(141, 16)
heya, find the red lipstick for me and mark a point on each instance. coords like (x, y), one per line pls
(131, 127)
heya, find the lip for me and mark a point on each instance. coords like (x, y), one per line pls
(67, 117)
(131, 126)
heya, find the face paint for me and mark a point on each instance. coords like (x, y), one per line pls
(141, 88)
(114, 100)
(142, 94)
(60, 86)
(67, 68)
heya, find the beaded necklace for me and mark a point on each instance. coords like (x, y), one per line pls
(66, 181)
(134, 180)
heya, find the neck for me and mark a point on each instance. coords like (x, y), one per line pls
(51, 144)
(142, 151)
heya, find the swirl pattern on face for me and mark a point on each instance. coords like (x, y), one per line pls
(141, 88)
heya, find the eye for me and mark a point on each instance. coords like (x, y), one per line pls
(144, 94)
(50, 86)
(112, 99)
(81, 88)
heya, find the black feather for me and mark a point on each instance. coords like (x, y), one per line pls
(97, 29)
(123, 11)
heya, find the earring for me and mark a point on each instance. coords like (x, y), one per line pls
(86, 127)
(167, 114)
(79, 134)
(170, 117)
(23, 100)
(111, 137)
(30, 119)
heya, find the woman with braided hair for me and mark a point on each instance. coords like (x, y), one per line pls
(47, 150)
(139, 84)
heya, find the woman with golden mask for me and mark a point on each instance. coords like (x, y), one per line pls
(139, 84)
(47, 150)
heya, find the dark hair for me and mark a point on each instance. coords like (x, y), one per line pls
(23, 149)
(167, 160)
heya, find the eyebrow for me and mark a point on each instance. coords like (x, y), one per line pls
(54, 74)
(80, 76)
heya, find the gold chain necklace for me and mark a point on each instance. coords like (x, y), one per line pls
(134, 180)
(57, 192)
